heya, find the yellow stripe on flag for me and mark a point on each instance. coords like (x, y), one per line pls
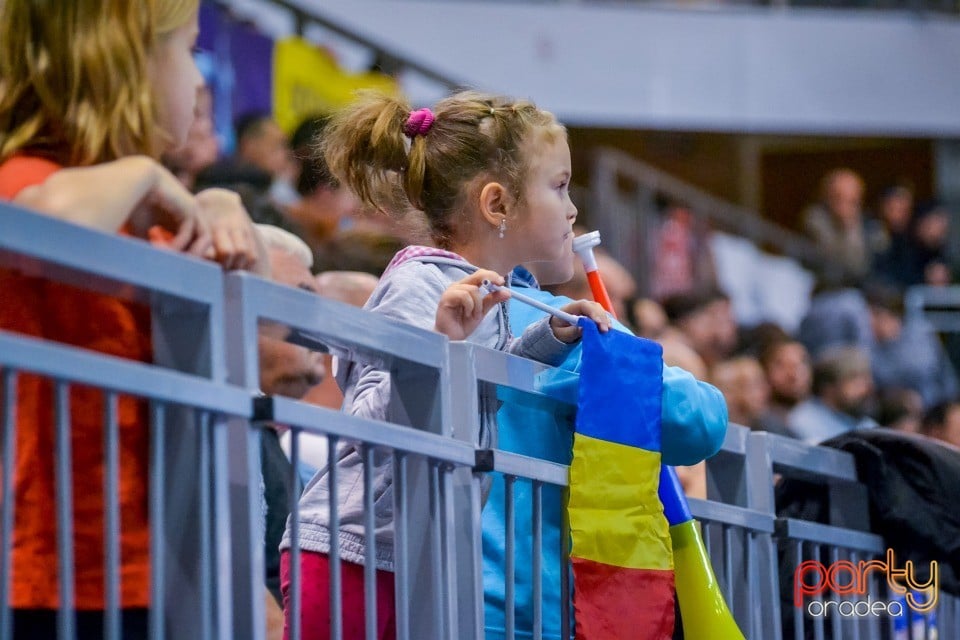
(615, 516)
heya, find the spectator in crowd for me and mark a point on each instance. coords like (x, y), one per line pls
(650, 321)
(290, 371)
(835, 224)
(889, 236)
(894, 212)
(906, 353)
(704, 319)
(842, 395)
(900, 409)
(930, 234)
(942, 422)
(787, 366)
(325, 206)
(745, 388)
(263, 163)
(680, 257)
(261, 143)
(201, 148)
(81, 127)
(838, 316)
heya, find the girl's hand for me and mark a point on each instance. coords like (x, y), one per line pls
(168, 215)
(236, 244)
(463, 305)
(592, 310)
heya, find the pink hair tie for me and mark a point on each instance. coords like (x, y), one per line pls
(419, 123)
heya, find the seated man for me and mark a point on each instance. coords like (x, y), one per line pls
(842, 393)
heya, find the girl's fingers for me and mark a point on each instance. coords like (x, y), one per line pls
(226, 252)
(244, 248)
(477, 277)
(185, 233)
(494, 298)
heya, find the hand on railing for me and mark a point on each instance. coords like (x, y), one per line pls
(135, 192)
(236, 243)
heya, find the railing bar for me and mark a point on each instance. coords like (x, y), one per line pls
(728, 559)
(401, 562)
(509, 572)
(66, 620)
(748, 569)
(818, 626)
(450, 560)
(221, 524)
(203, 474)
(111, 528)
(537, 561)
(449, 553)
(9, 493)
(855, 622)
(834, 615)
(296, 578)
(565, 622)
(157, 571)
(117, 374)
(436, 547)
(370, 552)
(336, 584)
(798, 618)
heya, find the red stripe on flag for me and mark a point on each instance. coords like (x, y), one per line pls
(614, 603)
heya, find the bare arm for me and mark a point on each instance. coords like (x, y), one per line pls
(106, 196)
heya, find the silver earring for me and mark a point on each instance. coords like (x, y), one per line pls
(503, 227)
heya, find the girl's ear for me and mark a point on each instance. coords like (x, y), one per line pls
(494, 203)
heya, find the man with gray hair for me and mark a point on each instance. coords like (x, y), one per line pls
(842, 395)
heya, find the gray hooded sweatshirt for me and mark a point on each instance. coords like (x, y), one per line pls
(409, 291)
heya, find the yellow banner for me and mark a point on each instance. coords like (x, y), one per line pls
(615, 515)
(308, 81)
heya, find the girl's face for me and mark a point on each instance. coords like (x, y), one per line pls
(176, 81)
(544, 230)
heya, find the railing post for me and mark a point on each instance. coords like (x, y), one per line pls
(187, 337)
(468, 623)
(420, 398)
(245, 483)
(759, 476)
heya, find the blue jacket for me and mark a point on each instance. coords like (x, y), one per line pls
(694, 418)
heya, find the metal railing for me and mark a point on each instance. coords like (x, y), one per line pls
(205, 477)
(623, 205)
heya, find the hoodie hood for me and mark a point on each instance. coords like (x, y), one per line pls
(433, 255)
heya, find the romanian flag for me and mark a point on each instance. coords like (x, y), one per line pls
(621, 547)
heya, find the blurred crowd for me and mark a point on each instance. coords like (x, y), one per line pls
(857, 359)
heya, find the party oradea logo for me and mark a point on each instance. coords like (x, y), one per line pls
(843, 578)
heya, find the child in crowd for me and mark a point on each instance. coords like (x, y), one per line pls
(91, 93)
(694, 422)
(492, 176)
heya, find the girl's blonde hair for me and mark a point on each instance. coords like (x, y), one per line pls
(75, 84)
(474, 137)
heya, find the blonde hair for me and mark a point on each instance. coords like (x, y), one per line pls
(474, 135)
(76, 86)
